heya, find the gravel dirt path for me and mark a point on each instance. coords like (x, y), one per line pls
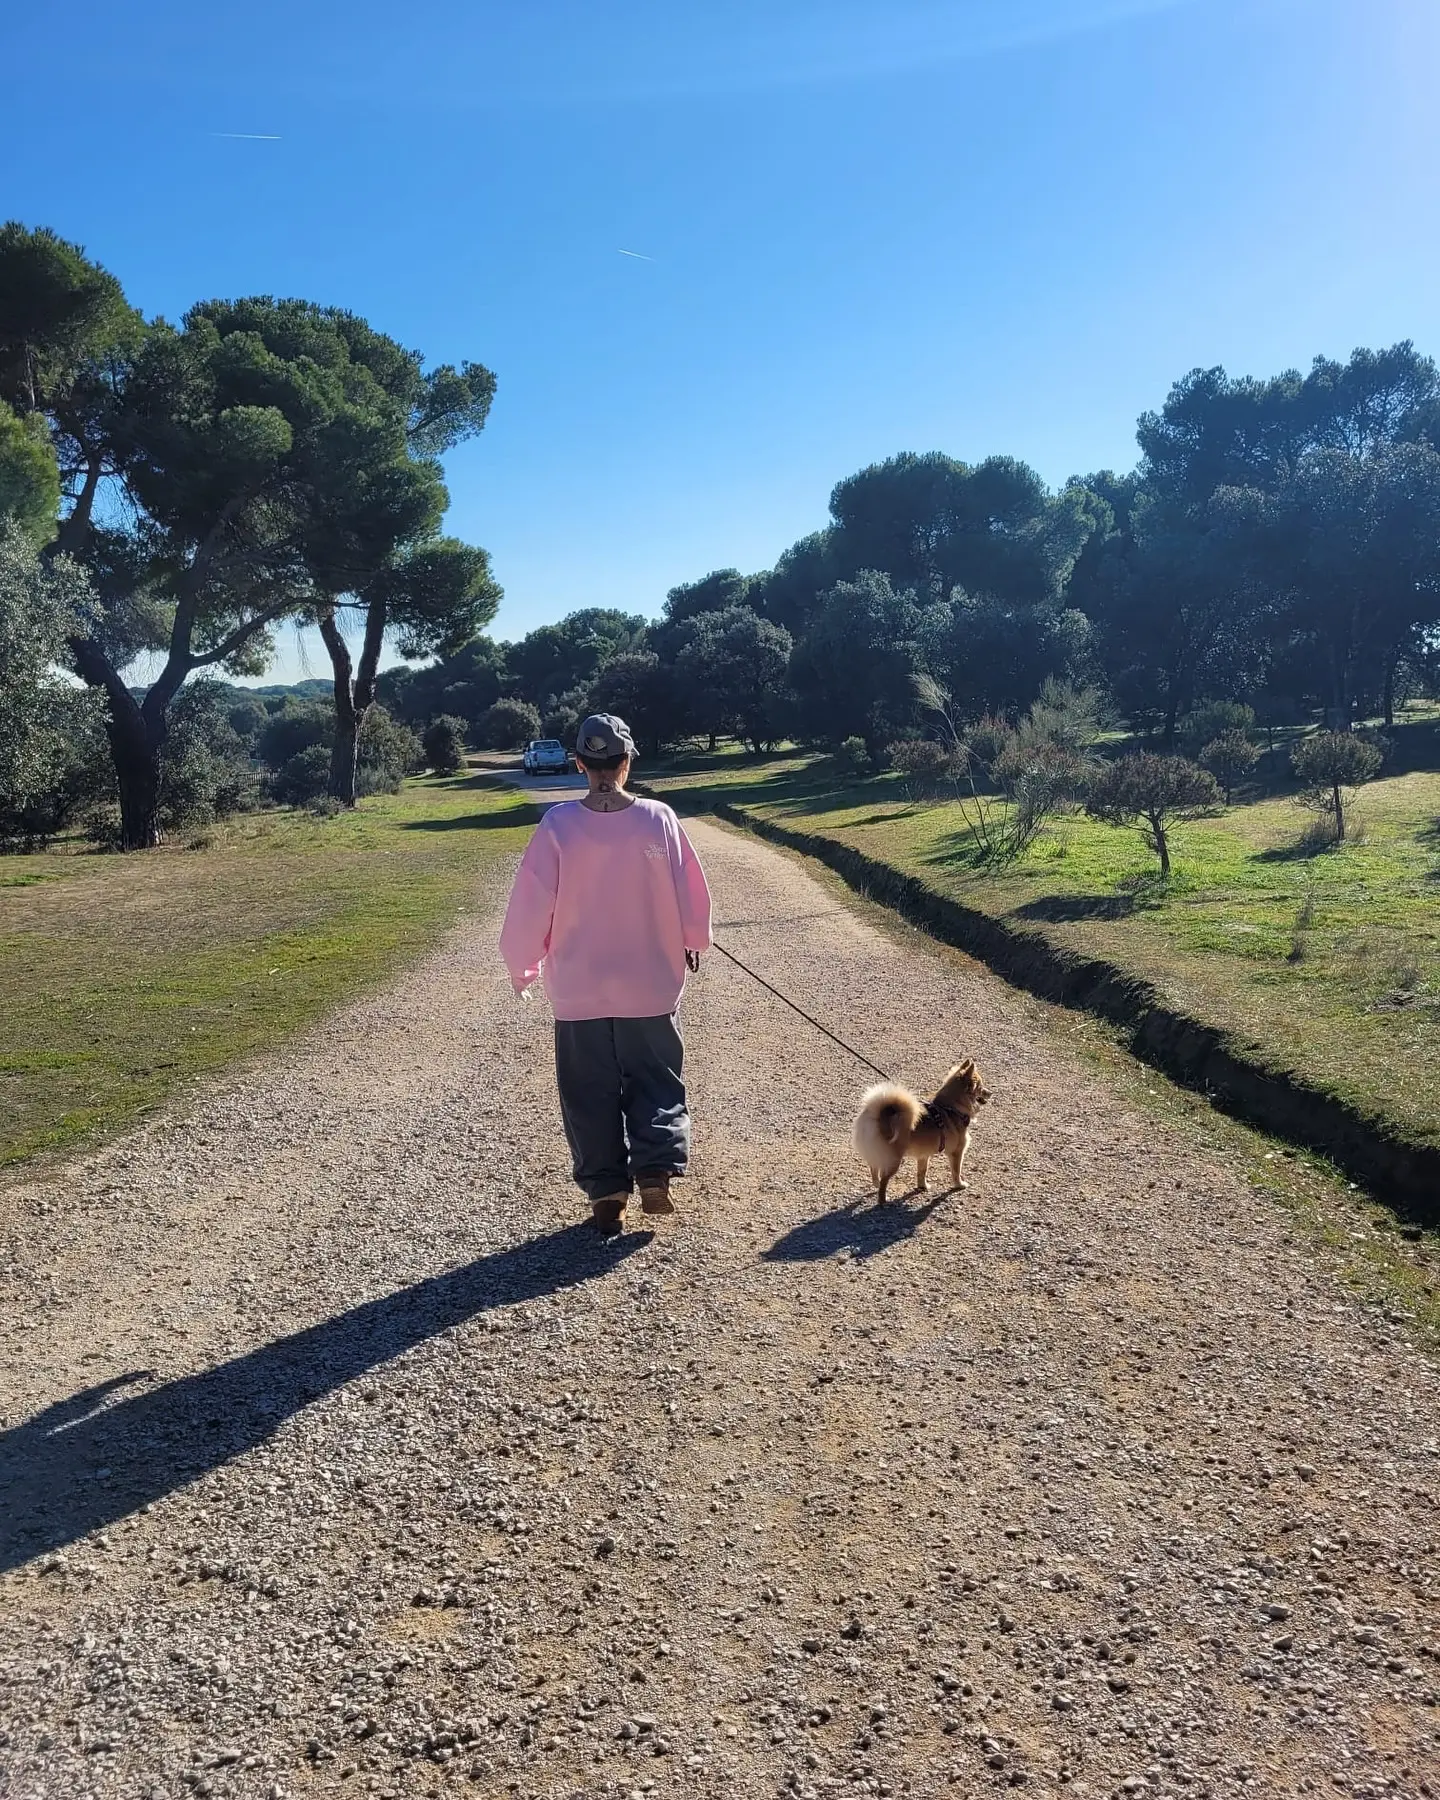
(338, 1456)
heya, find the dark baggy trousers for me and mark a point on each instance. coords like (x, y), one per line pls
(622, 1096)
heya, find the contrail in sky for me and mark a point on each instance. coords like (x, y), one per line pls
(638, 257)
(254, 137)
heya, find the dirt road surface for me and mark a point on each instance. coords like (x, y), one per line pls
(337, 1456)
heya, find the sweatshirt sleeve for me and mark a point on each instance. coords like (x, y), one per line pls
(694, 894)
(525, 935)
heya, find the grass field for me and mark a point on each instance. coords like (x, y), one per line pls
(1325, 961)
(126, 976)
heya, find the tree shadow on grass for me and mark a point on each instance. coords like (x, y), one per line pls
(958, 849)
(82, 1463)
(799, 795)
(862, 1229)
(1309, 845)
(1069, 909)
(481, 821)
(1290, 853)
(833, 797)
(893, 817)
(475, 781)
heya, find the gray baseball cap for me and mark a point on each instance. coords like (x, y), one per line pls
(602, 736)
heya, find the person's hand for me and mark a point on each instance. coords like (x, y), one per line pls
(692, 961)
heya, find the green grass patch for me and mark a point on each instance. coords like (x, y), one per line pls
(127, 976)
(1324, 962)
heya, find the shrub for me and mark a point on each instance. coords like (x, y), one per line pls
(292, 726)
(985, 742)
(444, 744)
(39, 604)
(101, 825)
(1038, 779)
(388, 752)
(1230, 758)
(205, 767)
(1063, 714)
(305, 777)
(1156, 793)
(921, 759)
(509, 725)
(76, 774)
(1040, 767)
(1218, 718)
(852, 758)
(1329, 763)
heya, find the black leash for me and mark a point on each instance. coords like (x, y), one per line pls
(849, 1049)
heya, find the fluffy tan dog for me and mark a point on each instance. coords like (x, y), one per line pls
(892, 1124)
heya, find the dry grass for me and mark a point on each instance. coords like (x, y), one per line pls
(126, 976)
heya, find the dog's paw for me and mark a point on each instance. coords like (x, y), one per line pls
(960, 1186)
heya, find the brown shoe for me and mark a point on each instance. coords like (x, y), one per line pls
(655, 1194)
(608, 1212)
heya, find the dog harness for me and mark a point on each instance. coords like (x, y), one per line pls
(944, 1119)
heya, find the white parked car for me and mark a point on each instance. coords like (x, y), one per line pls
(545, 756)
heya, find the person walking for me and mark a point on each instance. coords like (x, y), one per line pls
(611, 904)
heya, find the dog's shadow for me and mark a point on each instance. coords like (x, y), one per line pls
(858, 1226)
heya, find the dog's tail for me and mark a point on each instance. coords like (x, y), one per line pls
(883, 1112)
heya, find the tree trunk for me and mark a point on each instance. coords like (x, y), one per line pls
(354, 695)
(1172, 713)
(1389, 695)
(1162, 847)
(1337, 713)
(136, 729)
(137, 768)
(345, 756)
(345, 743)
(1339, 815)
(136, 741)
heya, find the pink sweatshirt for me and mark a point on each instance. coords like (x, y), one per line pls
(608, 904)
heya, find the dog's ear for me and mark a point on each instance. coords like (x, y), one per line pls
(967, 1067)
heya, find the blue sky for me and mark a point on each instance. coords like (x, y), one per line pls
(872, 225)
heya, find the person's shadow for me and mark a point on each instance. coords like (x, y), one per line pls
(857, 1226)
(82, 1464)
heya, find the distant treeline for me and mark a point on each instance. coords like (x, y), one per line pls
(180, 493)
(1278, 544)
